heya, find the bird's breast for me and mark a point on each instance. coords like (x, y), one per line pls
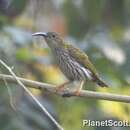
(69, 66)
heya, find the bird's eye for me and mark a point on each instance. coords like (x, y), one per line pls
(53, 36)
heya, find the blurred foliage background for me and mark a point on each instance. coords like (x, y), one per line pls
(99, 27)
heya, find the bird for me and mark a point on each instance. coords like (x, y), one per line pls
(72, 61)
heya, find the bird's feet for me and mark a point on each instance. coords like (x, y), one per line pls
(77, 92)
(61, 88)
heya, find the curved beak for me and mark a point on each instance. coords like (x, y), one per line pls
(44, 34)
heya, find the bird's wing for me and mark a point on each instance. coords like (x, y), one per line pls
(81, 58)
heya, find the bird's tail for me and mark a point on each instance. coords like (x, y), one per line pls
(101, 83)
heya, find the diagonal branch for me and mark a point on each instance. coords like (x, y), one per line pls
(31, 95)
(83, 93)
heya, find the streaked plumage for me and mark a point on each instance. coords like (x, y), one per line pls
(76, 65)
(73, 62)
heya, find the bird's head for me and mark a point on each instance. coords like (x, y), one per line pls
(53, 39)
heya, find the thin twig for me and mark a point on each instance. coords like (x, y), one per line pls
(10, 95)
(83, 93)
(9, 92)
(33, 97)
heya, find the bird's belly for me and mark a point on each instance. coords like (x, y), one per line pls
(70, 68)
